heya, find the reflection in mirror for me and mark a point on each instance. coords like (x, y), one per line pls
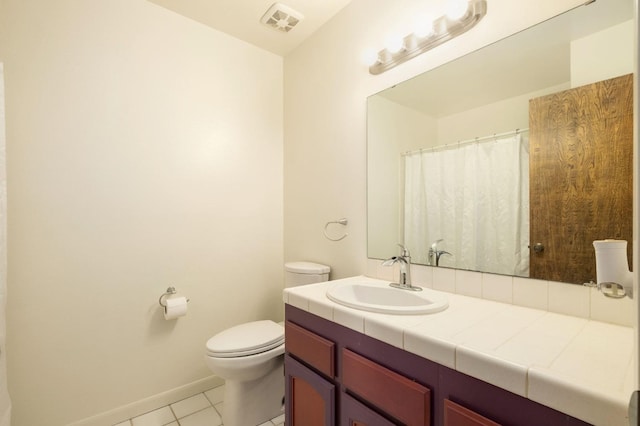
(452, 153)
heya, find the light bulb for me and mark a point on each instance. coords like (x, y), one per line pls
(384, 56)
(456, 9)
(370, 57)
(423, 28)
(394, 44)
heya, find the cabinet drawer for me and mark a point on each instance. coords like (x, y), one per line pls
(457, 415)
(400, 397)
(314, 350)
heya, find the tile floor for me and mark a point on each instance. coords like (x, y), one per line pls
(203, 409)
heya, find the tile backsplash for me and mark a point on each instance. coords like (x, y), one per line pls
(567, 299)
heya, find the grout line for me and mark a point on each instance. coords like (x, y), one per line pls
(177, 420)
(174, 414)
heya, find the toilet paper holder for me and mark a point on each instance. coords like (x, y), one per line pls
(162, 299)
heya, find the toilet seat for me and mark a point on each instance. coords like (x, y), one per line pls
(246, 339)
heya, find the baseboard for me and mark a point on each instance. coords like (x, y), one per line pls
(145, 405)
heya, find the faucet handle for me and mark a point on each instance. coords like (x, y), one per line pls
(405, 251)
(434, 246)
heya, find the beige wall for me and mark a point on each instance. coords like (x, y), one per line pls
(498, 117)
(144, 150)
(5, 401)
(391, 130)
(603, 55)
(326, 86)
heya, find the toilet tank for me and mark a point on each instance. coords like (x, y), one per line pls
(301, 273)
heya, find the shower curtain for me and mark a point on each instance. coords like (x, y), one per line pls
(5, 401)
(474, 197)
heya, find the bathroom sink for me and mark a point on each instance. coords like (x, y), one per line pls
(381, 298)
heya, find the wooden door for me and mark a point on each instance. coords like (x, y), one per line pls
(580, 176)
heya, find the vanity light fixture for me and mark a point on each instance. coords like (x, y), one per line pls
(460, 18)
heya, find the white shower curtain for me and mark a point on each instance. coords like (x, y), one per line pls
(475, 197)
(5, 401)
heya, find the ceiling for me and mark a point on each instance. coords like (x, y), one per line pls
(241, 19)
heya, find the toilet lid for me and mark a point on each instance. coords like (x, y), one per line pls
(246, 339)
(306, 268)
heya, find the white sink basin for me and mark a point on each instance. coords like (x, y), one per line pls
(379, 297)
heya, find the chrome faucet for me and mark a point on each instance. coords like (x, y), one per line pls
(404, 260)
(434, 253)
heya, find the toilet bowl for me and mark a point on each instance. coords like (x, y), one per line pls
(250, 358)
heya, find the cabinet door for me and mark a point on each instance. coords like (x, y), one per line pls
(310, 399)
(353, 413)
(457, 415)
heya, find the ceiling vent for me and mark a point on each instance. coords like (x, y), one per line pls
(281, 17)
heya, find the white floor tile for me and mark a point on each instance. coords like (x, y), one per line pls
(215, 395)
(206, 417)
(190, 405)
(220, 407)
(159, 417)
(278, 420)
(194, 411)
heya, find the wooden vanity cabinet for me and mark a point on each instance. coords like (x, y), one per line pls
(337, 376)
(362, 388)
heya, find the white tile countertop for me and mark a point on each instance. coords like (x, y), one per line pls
(575, 365)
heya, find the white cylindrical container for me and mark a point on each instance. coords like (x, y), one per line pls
(301, 273)
(611, 262)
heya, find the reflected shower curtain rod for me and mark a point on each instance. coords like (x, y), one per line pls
(466, 142)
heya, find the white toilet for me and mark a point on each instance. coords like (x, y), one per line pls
(249, 357)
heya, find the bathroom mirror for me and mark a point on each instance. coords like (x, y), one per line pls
(474, 113)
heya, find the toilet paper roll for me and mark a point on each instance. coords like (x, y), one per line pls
(175, 307)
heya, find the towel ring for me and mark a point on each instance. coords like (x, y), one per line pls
(342, 222)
